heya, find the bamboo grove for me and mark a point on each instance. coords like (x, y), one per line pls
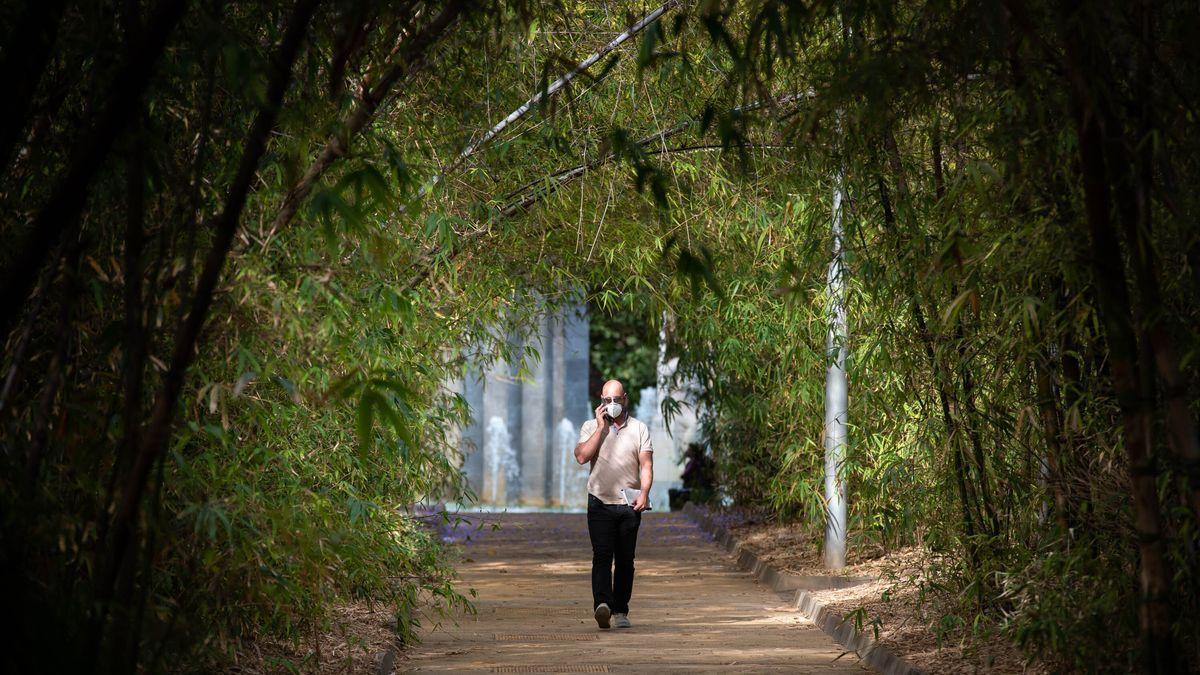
(248, 244)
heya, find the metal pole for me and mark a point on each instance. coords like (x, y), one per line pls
(836, 396)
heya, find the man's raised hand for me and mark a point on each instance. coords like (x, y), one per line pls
(602, 421)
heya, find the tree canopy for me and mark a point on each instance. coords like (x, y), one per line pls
(249, 244)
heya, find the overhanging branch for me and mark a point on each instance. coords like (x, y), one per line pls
(562, 177)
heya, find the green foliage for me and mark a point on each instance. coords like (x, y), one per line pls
(687, 184)
(315, 415)
(624, 346)
(970, 278)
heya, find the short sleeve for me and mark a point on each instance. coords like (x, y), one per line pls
(586, 431)
(647, 446)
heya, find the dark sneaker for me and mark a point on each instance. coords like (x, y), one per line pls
(621, 620)
(602, 614)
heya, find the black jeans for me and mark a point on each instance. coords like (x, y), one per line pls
(613, 529)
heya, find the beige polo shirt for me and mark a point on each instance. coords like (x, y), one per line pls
(616, 465)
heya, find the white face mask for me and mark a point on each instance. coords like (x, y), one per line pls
(614, 410)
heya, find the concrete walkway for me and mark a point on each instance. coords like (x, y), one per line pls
(692, 610)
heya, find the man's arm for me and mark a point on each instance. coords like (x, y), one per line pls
(588, 449)
(646, 471)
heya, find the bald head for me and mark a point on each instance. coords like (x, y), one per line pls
(613, 388)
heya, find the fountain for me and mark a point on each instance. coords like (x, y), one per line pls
(647, 407)
(501, 460)
(566, 452)
(572, 477)
(513, 449)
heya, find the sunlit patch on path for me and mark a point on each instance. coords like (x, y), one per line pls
(691, 609)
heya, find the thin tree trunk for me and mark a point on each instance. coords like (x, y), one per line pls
(182, 279)
(948, 418)
(1108, 275)
(950, 413)
(1052, 431)
(135, 339)
(1136, 185)
(134, 368)
(62, 211)
(1048, 395)
(972, 414)
(158, 428)
(969, 418)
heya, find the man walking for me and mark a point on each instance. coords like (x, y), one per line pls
(618, 447)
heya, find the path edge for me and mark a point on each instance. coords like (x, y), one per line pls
(831, 622)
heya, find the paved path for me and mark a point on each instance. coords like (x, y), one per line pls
(692, 610)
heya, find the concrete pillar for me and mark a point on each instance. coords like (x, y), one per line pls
(576, 347)
(514, 420)
(472, 438)
(559, 466)
(454, 435)
(576, 403)
(497, 409)
(535, 405)
(530, 413)
(549, 459)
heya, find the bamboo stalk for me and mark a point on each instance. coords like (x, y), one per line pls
(62, 210)
(159, 425)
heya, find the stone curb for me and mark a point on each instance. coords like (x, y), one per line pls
(829, 621)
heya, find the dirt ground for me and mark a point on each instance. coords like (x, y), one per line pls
(692, 610)
(890, 603)
(361, 632)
